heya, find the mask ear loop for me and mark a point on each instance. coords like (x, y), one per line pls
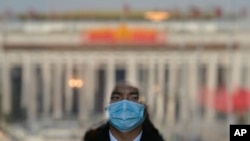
(106, 111)
(145, 110)
(107, 114)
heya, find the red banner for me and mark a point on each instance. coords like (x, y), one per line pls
(123, 34)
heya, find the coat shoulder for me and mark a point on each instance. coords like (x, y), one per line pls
(94, 133)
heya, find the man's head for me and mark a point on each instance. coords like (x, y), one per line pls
(124, 91)
(125, 112)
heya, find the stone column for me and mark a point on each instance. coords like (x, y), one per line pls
(184, 98)
(236, 71)
(151, 86)
(1, 78)
(247, 63)
(82, 101)
(171, 119)
(29, 90)
(25, 81)
(110, 71)
(46, 76)
(211, 86)
(234, 84)
(193, 89)
(160, 96)
(6, 86)
(68, 90)
(57, 90)
(143, 83)
(131, 76)
(89, 87)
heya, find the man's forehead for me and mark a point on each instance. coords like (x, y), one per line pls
(125, 89)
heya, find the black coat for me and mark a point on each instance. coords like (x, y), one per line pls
(150, 133)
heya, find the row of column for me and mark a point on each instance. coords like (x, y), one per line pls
(52, 74)
(84, 71)
(160, 96)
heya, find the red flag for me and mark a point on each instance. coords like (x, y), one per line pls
(126, 8)
(176, 12)
(239, 99)
(53, 14)
(244, 12)
(8, 13)
(218, 12)
(195, 12)
(32, 13)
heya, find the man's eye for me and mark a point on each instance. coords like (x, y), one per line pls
(115, 98)
(134, 98)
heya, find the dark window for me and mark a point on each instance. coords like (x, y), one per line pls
(17, 113)
(120, 75)
(99, 96)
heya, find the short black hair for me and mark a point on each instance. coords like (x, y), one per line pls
(125, 84)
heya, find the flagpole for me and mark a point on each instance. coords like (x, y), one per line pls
(229, 72)
(4, 29)
(122, 18)
(2, 55)
(2, 32)
(199, 67)
(248, 27)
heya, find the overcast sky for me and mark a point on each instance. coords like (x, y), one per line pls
(68, 5)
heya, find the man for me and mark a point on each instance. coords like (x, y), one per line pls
(128, 119)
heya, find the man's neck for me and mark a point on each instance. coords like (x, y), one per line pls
(126, 136)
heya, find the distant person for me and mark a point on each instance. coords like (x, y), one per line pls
(128, 119)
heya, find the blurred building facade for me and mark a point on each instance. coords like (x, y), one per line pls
(57, 71)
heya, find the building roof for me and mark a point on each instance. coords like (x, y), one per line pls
(121, 47)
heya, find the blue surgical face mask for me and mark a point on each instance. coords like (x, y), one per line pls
(125, 115)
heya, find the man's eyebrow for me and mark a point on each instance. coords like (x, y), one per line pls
(114, 92)
(131, 93)
(136, 93)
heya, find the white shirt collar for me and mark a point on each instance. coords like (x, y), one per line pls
(112, 138)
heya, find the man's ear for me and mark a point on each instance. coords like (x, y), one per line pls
(142, 103)
(145, 108)
(142, 99)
